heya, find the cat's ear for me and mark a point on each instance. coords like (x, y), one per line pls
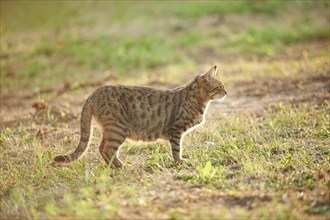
(210, 74)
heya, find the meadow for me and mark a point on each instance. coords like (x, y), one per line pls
(263, 153)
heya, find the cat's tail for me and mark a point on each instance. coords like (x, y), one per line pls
(85, 130)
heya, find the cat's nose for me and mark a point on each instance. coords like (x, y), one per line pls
(225, 92)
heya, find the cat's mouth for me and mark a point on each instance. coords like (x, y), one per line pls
(219, 97)
(222, 98)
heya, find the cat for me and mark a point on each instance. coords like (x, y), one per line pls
(142, 113)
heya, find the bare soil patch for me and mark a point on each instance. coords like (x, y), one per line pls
(256, 95)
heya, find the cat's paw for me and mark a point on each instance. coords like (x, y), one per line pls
(182, 161)
(117, 163)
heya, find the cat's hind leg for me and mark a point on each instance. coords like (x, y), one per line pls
(103, 154)
(109, 148)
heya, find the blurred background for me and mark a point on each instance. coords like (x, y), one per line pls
(51, 43)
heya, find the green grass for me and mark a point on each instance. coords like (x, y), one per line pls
(284, 149)
(272, 39)
(78, 43)
(120, 12)
(263, 150)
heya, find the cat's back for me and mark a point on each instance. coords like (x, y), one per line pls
(120, 94)
(132, 102)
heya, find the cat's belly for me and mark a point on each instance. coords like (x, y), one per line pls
(146, 130)
(144, 137)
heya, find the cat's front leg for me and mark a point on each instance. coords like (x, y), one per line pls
(177, 150)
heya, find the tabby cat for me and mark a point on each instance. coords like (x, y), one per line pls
(147, 114)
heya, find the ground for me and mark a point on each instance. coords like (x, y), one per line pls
(262, 153)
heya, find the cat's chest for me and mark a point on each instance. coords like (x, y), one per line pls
(192, 120)
(197, 120)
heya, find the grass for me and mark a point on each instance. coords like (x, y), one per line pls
(262, 150)
(266, 152)
(272, 162)
(119, 12)
(72, 49)
(272, 38)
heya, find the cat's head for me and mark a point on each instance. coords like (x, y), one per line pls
(211, 87)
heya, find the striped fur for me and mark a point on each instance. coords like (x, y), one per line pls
(141, 113)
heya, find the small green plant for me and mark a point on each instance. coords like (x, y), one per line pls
(51, 117)
(205, 174)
